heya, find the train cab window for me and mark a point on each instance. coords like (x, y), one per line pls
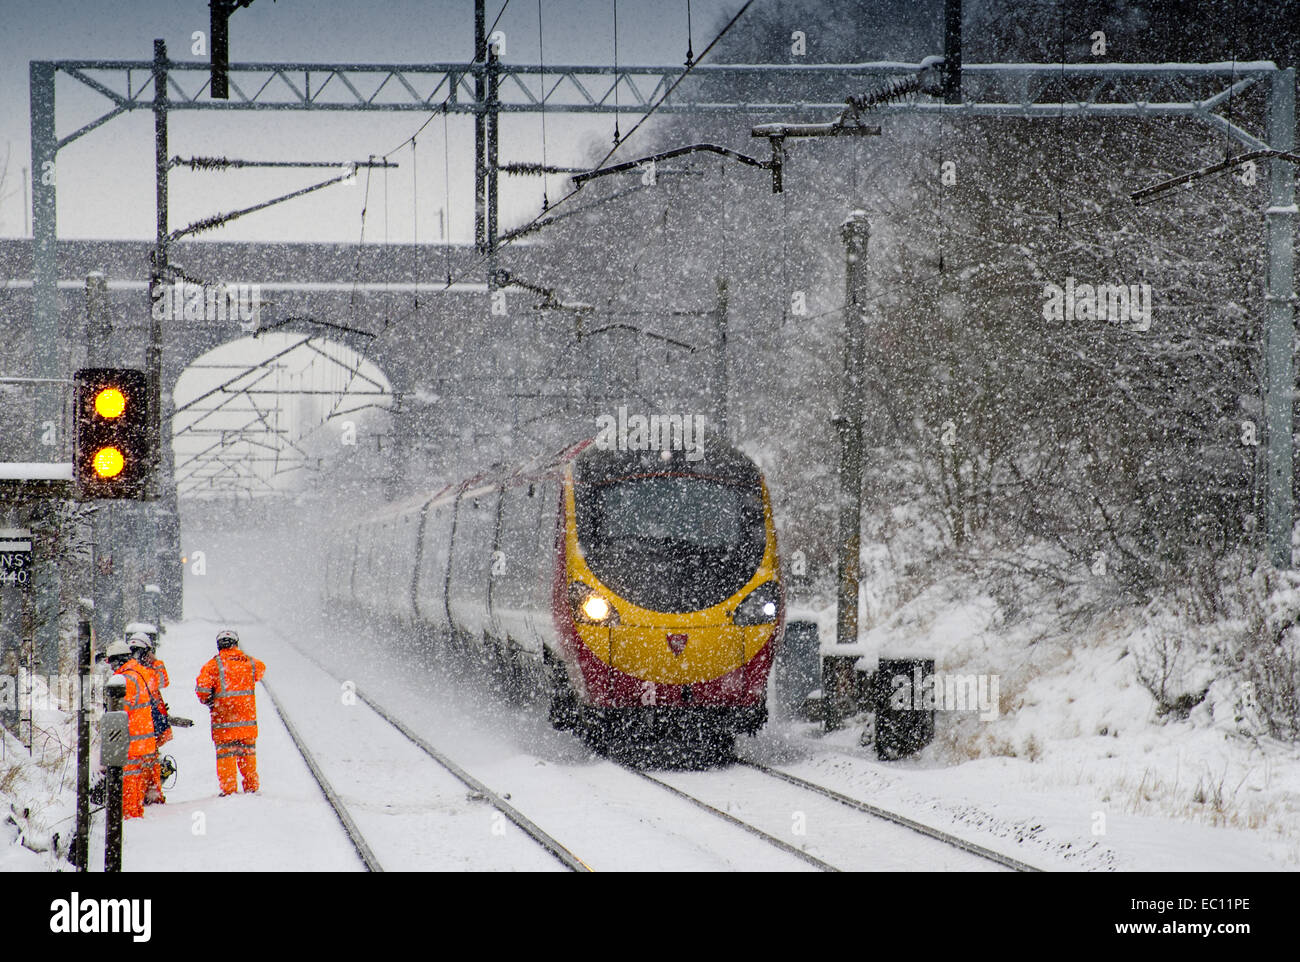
(672, 543)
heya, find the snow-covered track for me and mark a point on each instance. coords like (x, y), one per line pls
(349, 826)
(530, 828)
(731, 819)
(929, 831)
(497, 801)
(482, 791)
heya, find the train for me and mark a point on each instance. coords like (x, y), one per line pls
(636, 592)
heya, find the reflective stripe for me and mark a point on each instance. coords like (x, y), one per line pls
(222, 690)
(235, 724)
(204, 691)
(140, 738)
(144, 696)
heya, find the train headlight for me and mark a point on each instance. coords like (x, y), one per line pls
(760, 606)
(596, 608)
(590, 607)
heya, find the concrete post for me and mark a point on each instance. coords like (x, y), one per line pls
(1279, 384)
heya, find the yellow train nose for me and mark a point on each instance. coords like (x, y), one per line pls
(675, 655)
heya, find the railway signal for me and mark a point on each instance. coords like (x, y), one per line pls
(220, 11)
(112, 453)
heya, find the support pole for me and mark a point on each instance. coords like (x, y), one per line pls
(45, 318)
(838, 691)
(147, 513)
(82, 852)
(153, 360)
(219, 39)
(162, 539)
(480, 127)
(952, 51)
(1279, 340)
(491, 173)
(720, 360)
(115, 692)
(47, 399)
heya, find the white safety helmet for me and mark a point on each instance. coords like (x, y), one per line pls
(226, 638)
(118, 649)
(140, 640)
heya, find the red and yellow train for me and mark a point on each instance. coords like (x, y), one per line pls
(637, 591)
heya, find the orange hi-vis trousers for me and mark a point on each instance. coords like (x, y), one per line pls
(241, 755)
(135, 782)
(153, 791)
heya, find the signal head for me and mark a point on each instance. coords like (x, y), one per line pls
(114, 447)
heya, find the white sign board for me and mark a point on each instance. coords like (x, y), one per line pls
(15, 557)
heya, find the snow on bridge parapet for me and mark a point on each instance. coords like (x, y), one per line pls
(35, 471)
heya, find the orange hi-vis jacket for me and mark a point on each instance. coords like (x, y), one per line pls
(153, 677)
(160, 670)
(139, 718)
(226, 686)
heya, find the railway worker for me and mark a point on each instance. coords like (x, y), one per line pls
(142, 752)
(226, 685)
(142, 650)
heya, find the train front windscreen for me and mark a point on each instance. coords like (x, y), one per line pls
(671, 543)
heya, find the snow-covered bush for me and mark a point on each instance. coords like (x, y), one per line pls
(1264, 657)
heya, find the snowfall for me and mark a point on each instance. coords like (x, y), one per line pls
(1086, 777)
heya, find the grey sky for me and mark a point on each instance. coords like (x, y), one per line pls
(105, 184)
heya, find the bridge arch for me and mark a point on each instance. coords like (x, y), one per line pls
(260, 415)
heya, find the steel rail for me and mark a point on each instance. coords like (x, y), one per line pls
(783, 845)
(939, 835)
(530, 828)
(525, 824)
(349, 826)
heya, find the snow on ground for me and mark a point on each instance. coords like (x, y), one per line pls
(413, 814)
(287, 824)
(609, 818)
(33, 804)
(1077, 770)
(1075, 773)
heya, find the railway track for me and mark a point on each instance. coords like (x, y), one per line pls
(929, 831)
(481, 791)
(364, 852)
(839, 842)
(527, 825)
(557, 849)
(731, 819)
(571, 861)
